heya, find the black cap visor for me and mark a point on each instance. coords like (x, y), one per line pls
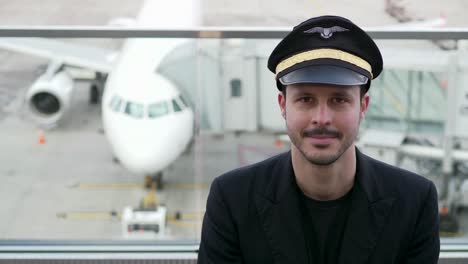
(324, 74)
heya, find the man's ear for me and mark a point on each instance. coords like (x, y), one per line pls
(282, 104)
(364, 105)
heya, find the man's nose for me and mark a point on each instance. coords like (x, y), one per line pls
(322, 116)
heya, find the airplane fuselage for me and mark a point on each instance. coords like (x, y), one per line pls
(146, 119)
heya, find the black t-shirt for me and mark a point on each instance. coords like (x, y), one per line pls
(326, 222)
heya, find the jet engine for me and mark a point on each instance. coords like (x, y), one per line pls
(49, 97)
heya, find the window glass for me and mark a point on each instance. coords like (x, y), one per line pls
(410, 97)
(236, 88)
(157, 109)
(113, 101)
(182, 99)
(115, 104)
(134, 109)
(176, 106)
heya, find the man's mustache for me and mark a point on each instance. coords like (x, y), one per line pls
(320, 131)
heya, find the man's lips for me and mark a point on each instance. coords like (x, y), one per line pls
(322, 136)
(321, 140)
(321, 133)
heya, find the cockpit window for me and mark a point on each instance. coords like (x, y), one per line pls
(182, 99)
(134, 109)
(113, 100)
(176, 106)
(115, 103)
(157, 109)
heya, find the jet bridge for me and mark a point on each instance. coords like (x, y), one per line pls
(421, 114)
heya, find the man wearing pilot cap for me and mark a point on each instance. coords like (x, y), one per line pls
(323, 201)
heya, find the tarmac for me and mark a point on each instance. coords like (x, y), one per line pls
(68, 186)
(62, 183)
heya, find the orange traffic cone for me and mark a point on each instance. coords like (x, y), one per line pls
(279, 143)
(41, 138)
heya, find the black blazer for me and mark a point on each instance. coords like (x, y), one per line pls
(253, 216)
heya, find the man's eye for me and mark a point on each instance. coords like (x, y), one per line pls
(305, 99)
(338, 100)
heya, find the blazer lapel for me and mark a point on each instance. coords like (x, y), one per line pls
(366, 217)
(279, 213)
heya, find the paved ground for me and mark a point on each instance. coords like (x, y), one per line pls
(68, 187)
(227, 12)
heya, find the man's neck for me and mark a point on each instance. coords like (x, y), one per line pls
(325, 182)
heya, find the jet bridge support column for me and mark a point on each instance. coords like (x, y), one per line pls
(449, 128)
(451, 195)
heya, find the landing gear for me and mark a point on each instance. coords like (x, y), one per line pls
(448, 226)
(154, 181)
(96, 88)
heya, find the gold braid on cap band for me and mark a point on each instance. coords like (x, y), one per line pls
(323, 54)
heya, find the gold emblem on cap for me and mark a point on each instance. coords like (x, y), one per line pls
(324, 54)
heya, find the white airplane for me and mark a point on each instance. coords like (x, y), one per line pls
(147, 121)
(416, 24)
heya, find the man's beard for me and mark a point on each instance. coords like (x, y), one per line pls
(322, 160)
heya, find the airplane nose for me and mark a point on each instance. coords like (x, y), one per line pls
(144, 154)
(149, 147)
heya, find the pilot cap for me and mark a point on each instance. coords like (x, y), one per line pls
(326, 50)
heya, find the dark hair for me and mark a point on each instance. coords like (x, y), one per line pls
(363, 89)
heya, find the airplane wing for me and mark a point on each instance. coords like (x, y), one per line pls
(432, 152)
(416, 24)
(93, 58)
(415, 55)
